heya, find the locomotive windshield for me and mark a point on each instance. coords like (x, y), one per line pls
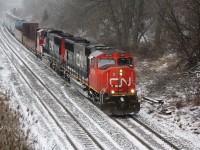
(105, 63)
(125, 61)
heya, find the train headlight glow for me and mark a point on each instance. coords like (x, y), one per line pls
(120, 72)
(132, 91)
(112, 91)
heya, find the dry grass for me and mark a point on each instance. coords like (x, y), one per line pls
(179, 104)
(166, 77)
(12, 134)
(195, 97)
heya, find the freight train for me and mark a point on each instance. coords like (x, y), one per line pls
(104, 74)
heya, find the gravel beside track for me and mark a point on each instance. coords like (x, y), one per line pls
(102, 131)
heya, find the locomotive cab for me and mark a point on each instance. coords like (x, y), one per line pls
(112, 79)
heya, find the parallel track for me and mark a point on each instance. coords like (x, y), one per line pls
(155, 133)
(133, 134)
(148, 137)
(80, 129)
(105, 133)
(123, 125)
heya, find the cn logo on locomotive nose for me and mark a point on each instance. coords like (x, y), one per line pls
(119, 82)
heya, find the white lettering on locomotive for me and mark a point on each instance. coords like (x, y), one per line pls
(119, 82)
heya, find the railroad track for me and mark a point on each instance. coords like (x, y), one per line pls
(151, 139)
(65, 121)
(102, 133)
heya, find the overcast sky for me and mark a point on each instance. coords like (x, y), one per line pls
(12, 1)
(9, 4)
(15, 1)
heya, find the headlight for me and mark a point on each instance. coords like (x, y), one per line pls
(120, 72)
(112, 91)
(132, 91)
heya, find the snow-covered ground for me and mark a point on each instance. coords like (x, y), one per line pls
(44, 133)
(178, 116)
(44, 128)
(180, 124)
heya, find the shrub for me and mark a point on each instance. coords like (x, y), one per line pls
(196, 100)
(12, 135)
(179, 104)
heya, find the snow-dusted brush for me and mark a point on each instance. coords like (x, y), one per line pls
(14, 134)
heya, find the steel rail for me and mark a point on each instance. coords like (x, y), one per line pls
(133, 134)
(59, 102)
(155, 133)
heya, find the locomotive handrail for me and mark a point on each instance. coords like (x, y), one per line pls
(72, 69)
(102, 92)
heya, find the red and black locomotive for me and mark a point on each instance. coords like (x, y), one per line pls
(104, 74)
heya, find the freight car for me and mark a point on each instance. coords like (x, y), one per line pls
(12, 22)
(24, 31)
(104, 74)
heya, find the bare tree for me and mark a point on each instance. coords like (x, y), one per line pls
(183, 26)
(32, 10)
(165, 24)
(121, 20)
(138, 22)
(159, 25)
(56, 7)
